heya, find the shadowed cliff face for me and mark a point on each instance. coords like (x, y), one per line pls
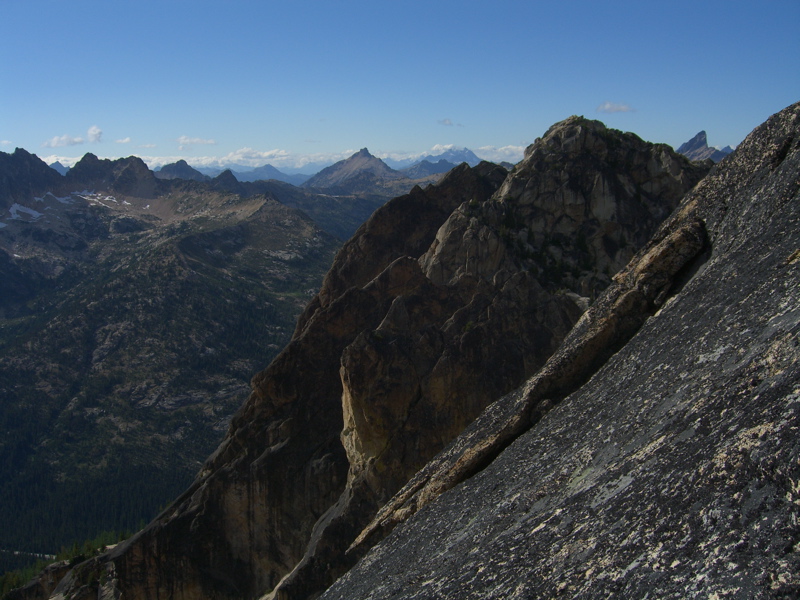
(446, 299)
(673, 472)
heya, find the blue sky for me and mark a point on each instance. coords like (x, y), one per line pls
(255, 82)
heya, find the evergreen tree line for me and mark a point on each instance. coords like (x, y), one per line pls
(24, 570)
(44, 516)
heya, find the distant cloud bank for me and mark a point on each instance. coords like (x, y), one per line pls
(250, 157)
(185, 141)
(612, 107)
(512, 154)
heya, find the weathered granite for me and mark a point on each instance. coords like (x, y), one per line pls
(674, 471)
(572, 212)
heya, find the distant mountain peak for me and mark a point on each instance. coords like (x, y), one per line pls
(698, 142)
(227, 181)
(180, 170)
(359, 165)
(697, 148)
(59, 168)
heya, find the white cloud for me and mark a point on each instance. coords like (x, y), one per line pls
(95, 134)
(67, 161)
(252, 157)
(612, 107)
(446, 122)
(146, 146)
(512, 154)
(441, 148)
(184, 141)
(125, 140)
(5, 142)
(61, 141)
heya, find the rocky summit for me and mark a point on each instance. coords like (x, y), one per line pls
(446, 299)
(367, 176)
(668, 469)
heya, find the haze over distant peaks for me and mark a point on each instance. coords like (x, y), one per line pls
(248, 174)
(452, 155)
(61, 169)
(269, 172)
(426, 168)
(697, 149)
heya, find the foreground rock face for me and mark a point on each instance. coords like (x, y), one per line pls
(673, 472)
(446, 299)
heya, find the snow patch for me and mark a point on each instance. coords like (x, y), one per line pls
(17, 208)
(96, 198)
(64, 200)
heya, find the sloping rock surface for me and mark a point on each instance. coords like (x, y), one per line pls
(673, 472)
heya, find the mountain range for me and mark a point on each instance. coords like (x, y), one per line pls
(454, 156)
(413, 168)
(182, 170)
(666, 466)
(576, 378)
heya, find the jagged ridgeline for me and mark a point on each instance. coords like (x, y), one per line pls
(133, 313)
(446, 299)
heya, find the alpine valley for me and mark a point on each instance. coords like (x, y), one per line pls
(573, 377)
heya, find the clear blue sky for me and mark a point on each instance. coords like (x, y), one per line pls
(259, 82)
